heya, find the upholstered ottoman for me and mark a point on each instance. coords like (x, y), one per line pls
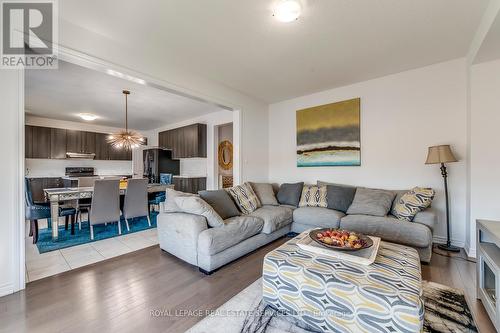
(332, 295)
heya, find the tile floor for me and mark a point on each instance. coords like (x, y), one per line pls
(50, 263)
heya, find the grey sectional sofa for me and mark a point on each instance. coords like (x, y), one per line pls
(189, 237)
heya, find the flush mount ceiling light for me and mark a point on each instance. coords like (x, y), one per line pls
(87, 116)
(126, 138)
(287, 10)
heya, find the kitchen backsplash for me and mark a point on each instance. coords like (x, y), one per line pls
(193, 167)
(56, 168)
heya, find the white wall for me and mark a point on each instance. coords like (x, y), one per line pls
(11, 253)
(56, 168)
(195, 166)
(401, 115)
(485, 154)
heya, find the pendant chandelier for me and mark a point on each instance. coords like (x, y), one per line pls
(126, 139)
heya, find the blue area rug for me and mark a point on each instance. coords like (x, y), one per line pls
(66, 239)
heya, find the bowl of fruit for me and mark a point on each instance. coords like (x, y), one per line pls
(339, 239)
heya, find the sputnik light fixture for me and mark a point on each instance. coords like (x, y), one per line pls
(126, 139)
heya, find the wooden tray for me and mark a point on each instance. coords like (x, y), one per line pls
(365, 256)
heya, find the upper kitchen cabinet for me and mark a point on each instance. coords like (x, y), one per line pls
(102, 147)
(57, 143)
(185, 142)
(80, 142)
(54, 143)
(37, 142)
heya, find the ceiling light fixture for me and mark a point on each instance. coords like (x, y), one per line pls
(126, 138)
(287, 10)
(87, 116)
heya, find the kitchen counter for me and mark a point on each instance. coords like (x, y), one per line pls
(189, 176)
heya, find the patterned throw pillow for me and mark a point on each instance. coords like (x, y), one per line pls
(313, 196)
(418, 199)
(245, 198)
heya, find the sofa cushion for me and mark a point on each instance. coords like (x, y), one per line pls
(370, 201)
(289, 194)
(244, 197)
(389, 229)
(340, 197)
(412, 202)
(170, 206)
(221, 202)
(274, 217)
(317, 217)
(265, 193)
(235, 230)
(313, 196)
(198, 206)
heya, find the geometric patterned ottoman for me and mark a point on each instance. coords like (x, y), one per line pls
(332, 295)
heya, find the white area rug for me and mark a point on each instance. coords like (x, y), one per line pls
(445, 311)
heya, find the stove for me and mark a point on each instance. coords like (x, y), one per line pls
(80, 172)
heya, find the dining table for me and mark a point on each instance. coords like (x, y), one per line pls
(56, 196)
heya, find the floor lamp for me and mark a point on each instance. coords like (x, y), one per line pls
(441, 155)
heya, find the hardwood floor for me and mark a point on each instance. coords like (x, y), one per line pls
(120, 294)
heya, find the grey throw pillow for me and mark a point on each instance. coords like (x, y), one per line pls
(198, 206)
(289, 194)
(369, 201)
(340, 197)
(221, 202)
(265, 193)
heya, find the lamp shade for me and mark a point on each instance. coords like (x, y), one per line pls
(440, 154)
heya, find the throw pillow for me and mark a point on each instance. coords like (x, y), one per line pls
(221, 202)
(245, 198)
(265, 193)
(411, 203)
(198, 206)
(369, 201)
(170, 206)
(339, 197)
(313, 196)
(289, 194)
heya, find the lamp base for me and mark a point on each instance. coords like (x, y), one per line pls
(449, 248)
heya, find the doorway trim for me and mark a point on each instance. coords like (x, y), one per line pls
(91, 62)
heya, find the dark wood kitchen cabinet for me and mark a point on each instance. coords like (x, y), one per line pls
(57, 143)
(119, 154)
(190, 185)
(185, 142)
(28, 141)
(80, 141)
(102, 146)
(37, 142)
(54, 143)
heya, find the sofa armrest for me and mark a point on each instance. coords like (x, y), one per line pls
(178, 234)
(427, 217)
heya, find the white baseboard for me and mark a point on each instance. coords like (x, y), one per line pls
(442, 240)
(6, 289)
(471, 253)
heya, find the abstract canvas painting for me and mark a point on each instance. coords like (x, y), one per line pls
(329, 135)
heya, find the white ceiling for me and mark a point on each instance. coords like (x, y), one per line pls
(490, 47)
(64, 93)
(239, 44)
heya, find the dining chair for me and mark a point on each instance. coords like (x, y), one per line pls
(84, 204)
(136, 200)
(38, 211)
(105, 205)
